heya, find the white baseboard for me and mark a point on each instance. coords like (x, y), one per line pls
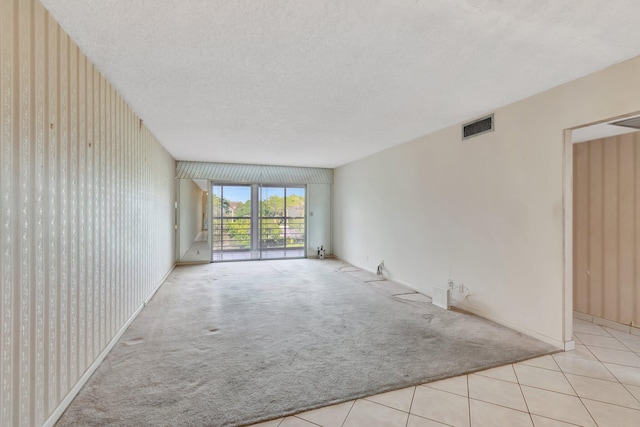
(64, 404)
(549, 340)
(622, 327)
(315, 256)
(454, 303)
(391, 279)
(153, 292)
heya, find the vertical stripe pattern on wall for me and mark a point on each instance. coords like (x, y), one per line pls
(7, 117)
(606, 232)
(86, 213)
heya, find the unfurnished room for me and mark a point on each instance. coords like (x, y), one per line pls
(299, 213)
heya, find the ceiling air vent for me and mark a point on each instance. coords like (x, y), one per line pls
(477, 127)
(633, 122)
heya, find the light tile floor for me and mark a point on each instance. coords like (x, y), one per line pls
(597, 384)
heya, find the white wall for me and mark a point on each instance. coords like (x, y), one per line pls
(486, 212)
(86, 215)
(319, 218)
(190, 216)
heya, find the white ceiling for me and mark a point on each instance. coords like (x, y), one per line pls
(325, 82)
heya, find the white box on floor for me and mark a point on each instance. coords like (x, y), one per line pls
(442, 297)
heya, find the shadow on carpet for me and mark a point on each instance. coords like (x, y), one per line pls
(237, 343)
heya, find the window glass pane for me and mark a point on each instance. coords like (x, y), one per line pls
(295, 202)
(295, 218)
(272, 204)
(231, 217)
(237, 201)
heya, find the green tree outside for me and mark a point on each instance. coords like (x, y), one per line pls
(232, 222)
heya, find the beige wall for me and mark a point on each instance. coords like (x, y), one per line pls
(86, 215)
(487, 212)
(606, 236)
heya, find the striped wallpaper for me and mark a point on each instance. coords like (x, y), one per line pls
(86, 214)
(263, 174)
(606, 224)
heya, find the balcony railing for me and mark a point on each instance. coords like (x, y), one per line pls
(234, 234)
(231, 234)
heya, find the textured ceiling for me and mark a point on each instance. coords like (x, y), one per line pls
(326, 82)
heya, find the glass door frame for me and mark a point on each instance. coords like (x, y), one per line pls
(284, 249)
(252, 216)
(256, 219)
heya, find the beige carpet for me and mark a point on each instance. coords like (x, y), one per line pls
(236, 343)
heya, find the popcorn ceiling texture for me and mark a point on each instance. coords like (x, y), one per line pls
(325, 82)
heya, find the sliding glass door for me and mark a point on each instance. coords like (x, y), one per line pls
(255, 222)
(232, 223)
(282, 222)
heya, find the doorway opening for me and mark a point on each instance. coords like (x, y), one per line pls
(602, 224)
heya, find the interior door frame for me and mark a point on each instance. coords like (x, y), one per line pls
(567, 204)
(567, 220)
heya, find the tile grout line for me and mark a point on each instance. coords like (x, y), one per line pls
(411, 406)
(382, 404)
(619, 364)
(306, 421)
(426, 385)
(431, 419)
(540, 367)
(444, 391)
(553, 370)
(468, 398)
(575, 391)
(615, 380)
(612, 363)
(629, 337)
(510, 382)
(608, 370)
(632, 395)
(348, 413)
(623, 344)
(503, 406)
(614, 375)
(498, 379)
(593, 335)
(596, 335)
(550, 391)
(526, 404)
(548, 418)
(628, 350)
(609, 403)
